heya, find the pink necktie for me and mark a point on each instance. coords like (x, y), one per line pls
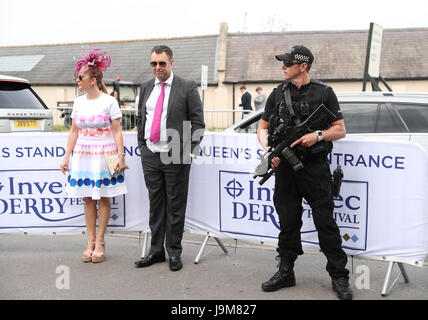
(155, 130)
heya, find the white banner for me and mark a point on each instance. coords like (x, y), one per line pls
(381, 211)
(32, 196)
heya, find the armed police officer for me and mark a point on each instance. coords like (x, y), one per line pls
(290, 104)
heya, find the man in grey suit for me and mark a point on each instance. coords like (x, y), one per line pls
(260, 99)
(170, 126)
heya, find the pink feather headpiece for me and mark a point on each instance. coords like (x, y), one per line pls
(94, 58)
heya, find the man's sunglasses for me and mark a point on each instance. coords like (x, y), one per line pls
(292, 63)
(161, 64)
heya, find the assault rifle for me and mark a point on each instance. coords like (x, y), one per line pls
(284, 136)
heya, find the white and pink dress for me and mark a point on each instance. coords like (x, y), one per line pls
(89, 175)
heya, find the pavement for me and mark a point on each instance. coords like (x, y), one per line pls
(48, 267)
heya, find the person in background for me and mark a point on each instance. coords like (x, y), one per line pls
(260, 99)
(95, 133)
(114, 94)
(245, 102)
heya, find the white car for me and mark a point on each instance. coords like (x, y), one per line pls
(372, 115)
(21, 109)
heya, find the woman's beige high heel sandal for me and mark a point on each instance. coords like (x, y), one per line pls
(96, 257)
(87, 255)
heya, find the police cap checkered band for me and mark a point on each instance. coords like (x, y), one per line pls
(299, 53)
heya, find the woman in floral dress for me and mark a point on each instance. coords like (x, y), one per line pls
(95, 133)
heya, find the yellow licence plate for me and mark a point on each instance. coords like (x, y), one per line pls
(26, 123)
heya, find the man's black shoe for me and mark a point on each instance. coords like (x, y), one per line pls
(279, 280)
(175, 263)
(341, 287)
(149, 260)
(283, 278)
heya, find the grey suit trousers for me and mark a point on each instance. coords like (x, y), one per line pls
(168, 187)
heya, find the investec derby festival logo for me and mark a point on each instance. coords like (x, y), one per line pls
(234, 188)
(350, 213)
(247, 208)
(36, 198)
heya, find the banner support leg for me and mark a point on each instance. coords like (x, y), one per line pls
(220, 243)
(385, 290)
(204, 244)
(403, 272)
(145, 244)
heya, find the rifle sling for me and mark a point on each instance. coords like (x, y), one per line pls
(287, 98)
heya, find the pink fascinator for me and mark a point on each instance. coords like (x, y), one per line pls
(95, 58)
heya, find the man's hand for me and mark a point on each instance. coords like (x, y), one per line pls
(335, 132)
(275, 163)
(308, 140)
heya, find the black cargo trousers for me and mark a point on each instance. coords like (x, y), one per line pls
(314, 184)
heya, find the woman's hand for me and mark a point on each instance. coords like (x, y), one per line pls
(121, 165)
(64, 166)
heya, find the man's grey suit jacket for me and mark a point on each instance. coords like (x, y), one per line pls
(184, 114)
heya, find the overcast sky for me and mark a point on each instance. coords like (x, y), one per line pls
(24, 22)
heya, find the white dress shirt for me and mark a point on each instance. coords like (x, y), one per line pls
(162, 144)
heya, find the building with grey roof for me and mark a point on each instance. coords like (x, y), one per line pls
(232, 59)
(54, 64)
(339, 55)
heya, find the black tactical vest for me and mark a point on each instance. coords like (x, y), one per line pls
(304, 103)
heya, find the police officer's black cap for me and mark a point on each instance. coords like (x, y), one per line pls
(299, 53)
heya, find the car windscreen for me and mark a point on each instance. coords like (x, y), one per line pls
(127, 94)
(415, 116)
(250, 126)
(371, 118)
(15, 95)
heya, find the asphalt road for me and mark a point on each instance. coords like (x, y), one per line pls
(46, 266)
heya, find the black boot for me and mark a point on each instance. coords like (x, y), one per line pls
(284, 277)
(341, 286)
